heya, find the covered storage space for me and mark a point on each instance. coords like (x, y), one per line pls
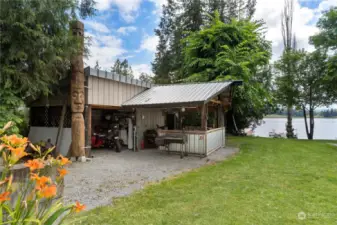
(189, 118)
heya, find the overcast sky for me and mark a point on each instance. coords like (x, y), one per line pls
(124, 29)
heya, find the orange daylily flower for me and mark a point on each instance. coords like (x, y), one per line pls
(63, 160)
(48, 191)
(41, 182)
(34, 164)
(18, 153)
(4, 196)
(14, 140)
(79, 207)
(62, 172)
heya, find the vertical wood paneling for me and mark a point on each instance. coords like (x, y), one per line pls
(115, 87)
(120, 93)
(109, 92)
(106, 96)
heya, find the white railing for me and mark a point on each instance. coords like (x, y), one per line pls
(198, 142)
(215, 139)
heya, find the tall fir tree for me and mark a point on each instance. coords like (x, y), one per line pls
(122, 68)
(162, 63)
(36, 47)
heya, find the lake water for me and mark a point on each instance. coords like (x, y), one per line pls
(324, 128)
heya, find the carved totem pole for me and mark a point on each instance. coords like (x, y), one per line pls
(77, 97)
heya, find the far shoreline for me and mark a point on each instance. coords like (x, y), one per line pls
(294, 117)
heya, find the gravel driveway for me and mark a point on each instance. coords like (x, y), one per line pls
(112, 174)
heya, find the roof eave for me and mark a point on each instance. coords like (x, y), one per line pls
(166, 105)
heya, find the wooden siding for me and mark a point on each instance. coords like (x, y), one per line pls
(102, 91)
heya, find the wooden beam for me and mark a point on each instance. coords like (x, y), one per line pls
(108, 107)
(216, 101)
(204, 115)
(60, 128)
(88, 131)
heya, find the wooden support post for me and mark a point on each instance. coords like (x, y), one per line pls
(60, 129)
(204, 115)
(88, 130)
(77, 96)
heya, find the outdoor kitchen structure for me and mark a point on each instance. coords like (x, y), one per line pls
(194, 111)
(179, 104)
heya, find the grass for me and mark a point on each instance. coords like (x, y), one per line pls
(269, 182)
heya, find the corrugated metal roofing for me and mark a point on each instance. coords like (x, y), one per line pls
(178, 94)
(116, 77)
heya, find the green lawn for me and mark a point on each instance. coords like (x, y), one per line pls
(269, 182)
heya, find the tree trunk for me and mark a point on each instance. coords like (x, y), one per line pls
(289, 126)
(312, 124)
(311, 115)
(306, 122)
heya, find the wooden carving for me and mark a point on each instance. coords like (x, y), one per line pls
(77, 96)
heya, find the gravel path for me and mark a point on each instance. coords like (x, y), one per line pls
(112, 174)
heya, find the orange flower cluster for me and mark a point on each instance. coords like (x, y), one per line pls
(34, 164)
(62, 172)
(44, 186)
(14, 141)
(16, 146)
(12, 149)
(63, 160)
(48, 191)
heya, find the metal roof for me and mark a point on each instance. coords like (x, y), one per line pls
(88, 71)
(177, 94)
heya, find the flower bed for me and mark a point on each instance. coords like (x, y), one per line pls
(30, 192)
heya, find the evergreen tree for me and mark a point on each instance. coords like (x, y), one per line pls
(126, 69)
(192, 14)
(97, 66)
(145, 77)
(122, 68)
(116, 68)
(36, 46)
(162, 65)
